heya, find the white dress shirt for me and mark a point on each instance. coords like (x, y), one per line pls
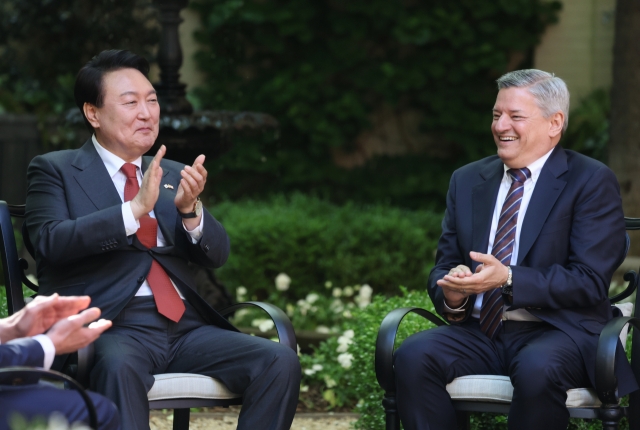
(535, 168)
(113, 163)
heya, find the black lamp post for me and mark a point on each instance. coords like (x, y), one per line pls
(187, 133)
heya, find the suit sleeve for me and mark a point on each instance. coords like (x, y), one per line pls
(21, 352)
(449, 254)
(212, 249)
(51, 228)
(595, 249)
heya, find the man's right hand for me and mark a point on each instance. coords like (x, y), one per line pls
(147, 197)
(70, 334)
(454, 298)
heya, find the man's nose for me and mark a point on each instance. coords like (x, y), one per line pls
(501, 123)
(143, 111)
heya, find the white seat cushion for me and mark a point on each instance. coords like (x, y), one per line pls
(188, 385)
(497, 388)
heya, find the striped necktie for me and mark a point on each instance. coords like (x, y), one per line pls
(165, 295)
(492, 305)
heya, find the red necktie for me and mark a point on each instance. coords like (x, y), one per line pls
(167, 299)
(492, 304)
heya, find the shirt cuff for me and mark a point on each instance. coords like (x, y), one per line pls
(131, 224)
(458, 310)
(196, 233)
(48, 347)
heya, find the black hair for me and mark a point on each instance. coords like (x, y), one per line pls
(89, 81)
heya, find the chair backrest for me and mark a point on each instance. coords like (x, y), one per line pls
(10, 261)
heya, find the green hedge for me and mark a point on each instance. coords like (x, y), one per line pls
(313, 242)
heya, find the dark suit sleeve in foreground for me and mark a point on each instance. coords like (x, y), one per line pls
(21, 352)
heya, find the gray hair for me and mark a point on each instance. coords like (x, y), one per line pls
(550, 92)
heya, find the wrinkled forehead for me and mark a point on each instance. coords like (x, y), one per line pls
(516, 99)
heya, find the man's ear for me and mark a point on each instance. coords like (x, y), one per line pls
(556, 122)
(91, 113)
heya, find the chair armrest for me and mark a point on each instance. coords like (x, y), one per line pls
(606, 381)
(283, 325)
(86, 357)
(632, 278)
(386, 340)
(26, 372)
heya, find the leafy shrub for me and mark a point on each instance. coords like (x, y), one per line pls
(313, 241)
(324, 67)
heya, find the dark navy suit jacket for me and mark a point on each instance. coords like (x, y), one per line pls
(74, 220)
(572, 240)
(21, 352)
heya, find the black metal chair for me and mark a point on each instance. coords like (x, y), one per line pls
(600, 403)
(177, 391)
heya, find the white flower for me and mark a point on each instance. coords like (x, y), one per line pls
(364, 296)
(309, 372)
(345, 340)
(345, 360)
(317, 367)
(347, 314)
(312, 297)
(266, 325)
(336, 306)
(323, 329)
(328, 284)
(329, 382)
(282, 282)
(348, 291)
(290, 309)
(304, 388)
(337, 292)
(304, 306)
(241, 292)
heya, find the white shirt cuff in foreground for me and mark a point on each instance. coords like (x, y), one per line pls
(196, 233)
(48, 347)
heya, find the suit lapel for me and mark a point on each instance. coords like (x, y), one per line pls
(484, 197)
(165, 208)
(92, 176)
(544, 197)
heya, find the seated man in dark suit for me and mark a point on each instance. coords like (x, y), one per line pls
(530, 240)
(22, 343)
(122, 228)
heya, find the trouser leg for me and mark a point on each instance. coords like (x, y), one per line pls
(265, 373)
(542, 371)
(427, 361)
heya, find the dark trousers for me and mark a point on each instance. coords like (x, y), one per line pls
(41, 400)
(142, 343)
(542, 362)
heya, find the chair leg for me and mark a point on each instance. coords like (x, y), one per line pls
(391, 411)
(464, 420)
(610, 416)
(181, 419)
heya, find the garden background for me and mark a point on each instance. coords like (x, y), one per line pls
(335, 216)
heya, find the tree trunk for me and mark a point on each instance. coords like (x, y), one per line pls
(624, 147)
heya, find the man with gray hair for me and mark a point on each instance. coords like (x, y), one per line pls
(530, 240)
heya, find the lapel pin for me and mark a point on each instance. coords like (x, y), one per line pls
(169, 186)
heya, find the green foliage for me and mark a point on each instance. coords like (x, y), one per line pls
(43, 44)
(322, 68)
(314, 241)
(588, 130)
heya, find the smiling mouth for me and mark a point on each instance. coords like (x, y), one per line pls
(507, 138)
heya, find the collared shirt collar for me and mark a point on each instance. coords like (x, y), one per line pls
(535, 168)
(111, 161)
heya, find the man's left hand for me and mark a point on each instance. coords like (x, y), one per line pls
(489, 275)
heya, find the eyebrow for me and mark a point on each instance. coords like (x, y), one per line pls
(126, 93)
(511, 111)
